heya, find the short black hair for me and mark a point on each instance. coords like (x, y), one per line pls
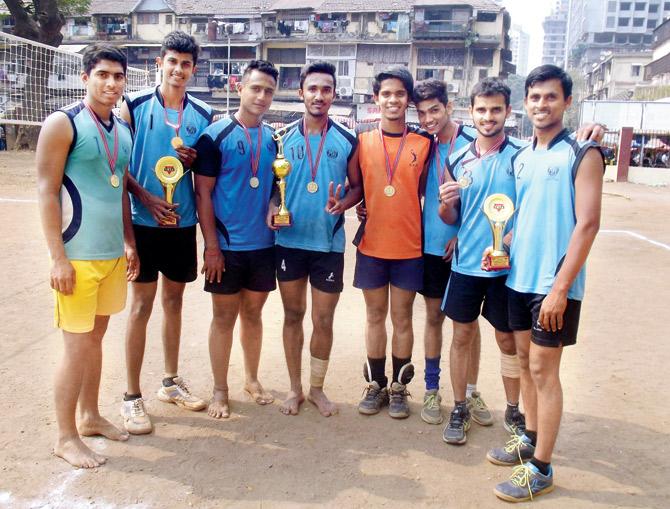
(430, 89)
(262, 66)
(320, 66)
(94, 53)
(398, 72)
(180, 42)
(550, 72)
(489, 87)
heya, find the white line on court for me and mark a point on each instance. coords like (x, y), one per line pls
(639, 237)
(18, 200)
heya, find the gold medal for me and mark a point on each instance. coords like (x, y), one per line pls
(176, 142)
(312, 187)
(389, 190)
(114, 180)
(464, 182)
(254, 182)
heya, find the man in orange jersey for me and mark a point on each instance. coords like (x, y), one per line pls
(389, 264)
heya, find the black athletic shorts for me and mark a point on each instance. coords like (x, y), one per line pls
(250, 270)
(325, 270)
(170, 251)
(467, 296)
(524, 311)
(436, 274)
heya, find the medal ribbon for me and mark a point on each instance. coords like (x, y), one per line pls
(255, 159)
(179, 116)
(390, 170)
(315, 166)
(479, 156)
(111, 159)
(442, 171)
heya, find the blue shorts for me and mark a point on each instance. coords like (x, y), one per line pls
(372, 273)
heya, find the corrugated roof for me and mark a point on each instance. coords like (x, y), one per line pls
(281, 5)
(488, 5)
(364, 6)
(111, 6)
(222, 7)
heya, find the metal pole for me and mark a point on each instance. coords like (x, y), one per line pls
(228, 81)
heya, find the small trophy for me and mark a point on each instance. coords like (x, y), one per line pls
(281, 168)
(498, 209)
(169, 171)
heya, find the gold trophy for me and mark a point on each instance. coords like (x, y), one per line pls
(169, 171)
(281, 168)
(498, 209)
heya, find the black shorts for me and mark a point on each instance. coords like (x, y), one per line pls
(436, 274)
(249, 270)
(467, 296)
(325, 270)
(524, 311)
(170, 251)
(372, 273)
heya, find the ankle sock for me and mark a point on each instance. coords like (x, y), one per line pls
(543, 467)
(130, 397)
(398, 363)
(469, 389)
(168, 381)
(378, 371)
(432, 373)
(532, 435)
(511, 408)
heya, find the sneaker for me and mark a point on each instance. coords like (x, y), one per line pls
(517, 450)
(180, 395)
(459, 424)
(525, 483)
(515, 422)
(135, 417)
(478, 410)
(431, 412)
(374, 398)
(398, 407)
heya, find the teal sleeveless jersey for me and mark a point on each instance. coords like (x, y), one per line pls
(92, 216)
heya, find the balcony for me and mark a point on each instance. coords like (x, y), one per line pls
(432, 30)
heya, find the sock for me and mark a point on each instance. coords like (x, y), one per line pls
(460, 404)
(378, 369)
(130, 397)
(432, 373)
(511, 407)
(397, 366)
(532, 435)
(541, 465)
(470, 388)
(168, 381)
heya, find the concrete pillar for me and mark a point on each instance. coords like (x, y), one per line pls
(623, 157)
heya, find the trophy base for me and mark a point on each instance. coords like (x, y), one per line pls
(498, 262)
(282, 220)
(169, 223)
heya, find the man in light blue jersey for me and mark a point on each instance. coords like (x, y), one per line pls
(477, 171)
(434, 109)
(323, 156)
(558, 197)
(166, 121)
(233, 184)
(82, 154)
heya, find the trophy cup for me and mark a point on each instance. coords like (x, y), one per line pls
(498, 209)
(281, 168)
(169, 171)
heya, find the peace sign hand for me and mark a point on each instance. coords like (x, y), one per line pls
(334, 204)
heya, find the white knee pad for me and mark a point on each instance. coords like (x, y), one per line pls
(509, 365)
(317, 373)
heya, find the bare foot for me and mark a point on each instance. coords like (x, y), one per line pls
(77, 454)
(218, 405)
(258, 394)
(101, 426)
(319, 398)
(291, 406)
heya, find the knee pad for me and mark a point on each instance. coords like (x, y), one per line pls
(509, 365)
(317, 374)
(367, 372)
(406, 373)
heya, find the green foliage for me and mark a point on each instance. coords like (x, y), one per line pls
(74, 7)
(516, 84)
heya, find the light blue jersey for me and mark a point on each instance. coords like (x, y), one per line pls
(240, 209)
(489, 175)
(545, 203)
(313, 228)
(92, 211)
(152, 141)
(436, 233)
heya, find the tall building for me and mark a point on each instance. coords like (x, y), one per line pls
(520, 46)
(555, 34)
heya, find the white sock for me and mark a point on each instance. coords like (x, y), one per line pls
(470, 389)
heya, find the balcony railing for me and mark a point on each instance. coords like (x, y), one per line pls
(440, 30)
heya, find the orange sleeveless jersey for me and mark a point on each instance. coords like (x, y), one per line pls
(393, 228)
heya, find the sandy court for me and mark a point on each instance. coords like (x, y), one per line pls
(613, 449)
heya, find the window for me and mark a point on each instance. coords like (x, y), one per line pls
(425, 74)
(343, 68)
(635, 39)
(289, 77)
(624, 6)
(635, 70)
(611, 6)
(611, 21)
(168, 19)
(624, 22)
(147, 18)
(286, 55)
(640, 6)
(638, 22)
(651, 23)
(653, 8)
(458, 73)
(486, 16)
(483, 73)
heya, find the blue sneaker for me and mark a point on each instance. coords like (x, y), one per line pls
(525, 484)
(517, 450)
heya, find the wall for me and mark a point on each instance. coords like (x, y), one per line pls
(642, 175)
(154, 32)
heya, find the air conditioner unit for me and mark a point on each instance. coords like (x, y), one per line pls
(453, 87)
(345, 91)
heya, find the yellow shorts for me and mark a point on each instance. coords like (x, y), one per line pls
(99, 289)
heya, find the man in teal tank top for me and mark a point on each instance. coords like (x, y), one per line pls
(82, 155)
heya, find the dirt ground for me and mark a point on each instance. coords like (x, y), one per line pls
(613, 449)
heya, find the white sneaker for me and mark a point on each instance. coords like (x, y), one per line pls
(135, 417)
(180, 395)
